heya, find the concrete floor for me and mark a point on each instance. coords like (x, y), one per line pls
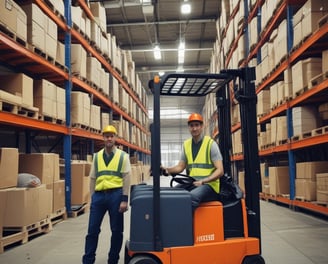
(287, 237)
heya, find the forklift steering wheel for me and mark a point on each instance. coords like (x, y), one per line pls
(182, 179)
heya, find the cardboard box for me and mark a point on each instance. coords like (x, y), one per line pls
(58, 195)
(78, 60)
(305, 189)
(322, 181)
(305, 119)
(14, 18)
(3, 201)
(60, 54)
(45, 97)
(8, 167)
(43, 165)
(18, 84)
(322, 196)
(303, 71)
(22, 207)
(80, 182)
(308, 170)
(80, 108)
(279, 180)
(325, 61)
(45, 202)
(61, 103)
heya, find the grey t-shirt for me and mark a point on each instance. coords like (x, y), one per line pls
(215, 153)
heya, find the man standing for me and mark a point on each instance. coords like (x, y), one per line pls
(109, 186)
(202, 158)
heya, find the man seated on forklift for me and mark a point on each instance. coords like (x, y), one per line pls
(202, 158)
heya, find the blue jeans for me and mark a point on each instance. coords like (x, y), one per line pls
(203, 193)
(101, 203)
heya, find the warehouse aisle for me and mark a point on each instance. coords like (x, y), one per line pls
(287, 237)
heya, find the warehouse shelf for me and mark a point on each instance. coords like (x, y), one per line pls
(311, 206)
(321, 33)
(254, 11)
(20, 57)
(314, 94)
(104, 99)
(26, 122)
(17, 55)
(87, 45)
(275, 20)
(85, 8)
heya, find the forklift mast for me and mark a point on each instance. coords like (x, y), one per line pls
(186, 84)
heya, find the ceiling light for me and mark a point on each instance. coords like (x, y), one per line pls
(161, 73)
(157, 53)
(185, 8)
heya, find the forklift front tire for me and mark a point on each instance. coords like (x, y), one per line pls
(255, 259)
(143, 259)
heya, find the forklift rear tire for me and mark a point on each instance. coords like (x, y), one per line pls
(255, 259)
(143, 259)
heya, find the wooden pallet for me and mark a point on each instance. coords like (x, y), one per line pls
(302, 136)
(81, 210)
(6, 30)
(320, 203)
(8, 107)
(41, 53)
(319, 131)
(11, 239)
(322, 21)
(22, 234)
(47, 118)
(28, 111)
(316, 80)
(58, 216)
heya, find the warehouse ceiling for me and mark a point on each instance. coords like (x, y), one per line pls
(141, 25)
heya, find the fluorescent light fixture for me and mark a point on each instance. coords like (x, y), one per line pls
(181, 53)
(185, 8)
(145, 2)
(157, 53)
(174, 113)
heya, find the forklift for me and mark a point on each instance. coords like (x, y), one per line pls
(163, 228)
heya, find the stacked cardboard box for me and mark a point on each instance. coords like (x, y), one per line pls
(14, 18)
(8, 167)
(19, 84)
(45, 97)
(305, 119)
(322, 187)
(80, 182)
(279, 180)
(305, 182)
(36, 26)
(80, 108)
(303, 71)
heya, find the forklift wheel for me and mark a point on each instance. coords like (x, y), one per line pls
(143, 259)
(255, 259)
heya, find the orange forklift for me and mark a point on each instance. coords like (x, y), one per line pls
(163, 228)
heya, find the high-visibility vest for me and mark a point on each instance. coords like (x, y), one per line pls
(109, 176)
(202, 166)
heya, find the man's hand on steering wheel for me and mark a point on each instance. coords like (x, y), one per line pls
(182, 179)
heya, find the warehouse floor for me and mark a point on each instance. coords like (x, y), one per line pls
(287, 237)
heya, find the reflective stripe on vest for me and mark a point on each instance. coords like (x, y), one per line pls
(110, 176)
(202, 166)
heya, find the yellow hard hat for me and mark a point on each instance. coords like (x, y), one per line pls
(195, 117)
(109, 129)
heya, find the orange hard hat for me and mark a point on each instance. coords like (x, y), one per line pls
(195, 117)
